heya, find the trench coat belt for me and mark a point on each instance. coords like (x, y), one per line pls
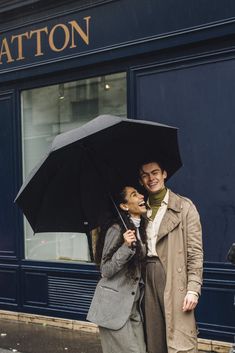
(152, 258)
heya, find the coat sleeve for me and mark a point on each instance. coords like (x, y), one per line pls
(194, 250)
(119, 258)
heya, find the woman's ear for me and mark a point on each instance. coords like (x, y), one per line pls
(123, 207)
(164, 174)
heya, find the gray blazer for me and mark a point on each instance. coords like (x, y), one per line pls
(115, 292)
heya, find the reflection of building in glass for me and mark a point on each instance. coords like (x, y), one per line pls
(51, 110)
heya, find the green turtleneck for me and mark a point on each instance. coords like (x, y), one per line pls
(155, 201)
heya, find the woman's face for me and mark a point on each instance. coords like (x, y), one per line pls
(134, 204)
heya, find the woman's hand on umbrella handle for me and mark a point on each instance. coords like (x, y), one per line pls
(129, 237)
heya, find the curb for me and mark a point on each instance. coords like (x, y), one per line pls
(49, 321)
(203, 344)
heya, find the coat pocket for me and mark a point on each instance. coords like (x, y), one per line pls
(108, 289)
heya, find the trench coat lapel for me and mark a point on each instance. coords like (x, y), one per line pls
(172, 216)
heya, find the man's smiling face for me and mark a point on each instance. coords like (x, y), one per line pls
(152, 177)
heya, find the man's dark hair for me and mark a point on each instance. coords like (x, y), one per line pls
(152, 160)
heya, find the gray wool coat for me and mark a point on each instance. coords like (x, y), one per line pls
(115, 292)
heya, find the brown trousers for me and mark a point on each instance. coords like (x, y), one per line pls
(154, 307)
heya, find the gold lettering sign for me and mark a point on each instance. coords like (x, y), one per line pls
(69, 34)
(77, 28)
(38, 33)
(5, 52)
(19, 38)
(66, 37)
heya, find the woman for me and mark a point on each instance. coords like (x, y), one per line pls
(115, 307)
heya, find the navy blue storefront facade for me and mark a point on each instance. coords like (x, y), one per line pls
(178, 61)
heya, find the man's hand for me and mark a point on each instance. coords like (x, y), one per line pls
(190, 302)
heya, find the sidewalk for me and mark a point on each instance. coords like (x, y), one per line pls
(34, 338)
(28, 337)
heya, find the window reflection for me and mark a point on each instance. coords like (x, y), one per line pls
(51, 110)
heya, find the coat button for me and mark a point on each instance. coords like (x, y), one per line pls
(133, 293)
(137, 278)
(181, 289)
(179, 269)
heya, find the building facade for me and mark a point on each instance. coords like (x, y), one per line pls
(62, 65)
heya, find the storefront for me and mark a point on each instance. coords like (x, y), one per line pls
(166, 61)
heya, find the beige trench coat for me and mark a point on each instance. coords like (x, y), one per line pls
(179, 247)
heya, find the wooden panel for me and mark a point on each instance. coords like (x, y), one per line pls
(8, 214)
(197, 97)
(35, 288)
(8, 286)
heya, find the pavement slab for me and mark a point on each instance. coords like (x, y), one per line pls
(23, 337)
(33, 338)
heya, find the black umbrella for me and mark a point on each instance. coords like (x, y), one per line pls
(71, 188)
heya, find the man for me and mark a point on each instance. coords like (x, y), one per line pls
(174, 265)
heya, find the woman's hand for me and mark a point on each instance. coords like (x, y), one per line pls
(129, 237)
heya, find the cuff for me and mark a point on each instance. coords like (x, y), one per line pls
(192, 292)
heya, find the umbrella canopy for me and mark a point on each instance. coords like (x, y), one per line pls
(69, 190)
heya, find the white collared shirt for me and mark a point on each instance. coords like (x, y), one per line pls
(154, 225)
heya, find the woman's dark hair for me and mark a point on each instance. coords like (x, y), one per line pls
(137, 258)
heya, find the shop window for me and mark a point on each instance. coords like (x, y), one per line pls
(51, 110)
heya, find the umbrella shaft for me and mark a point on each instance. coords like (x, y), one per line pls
(119, 213)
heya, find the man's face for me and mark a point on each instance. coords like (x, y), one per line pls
(152, 177)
